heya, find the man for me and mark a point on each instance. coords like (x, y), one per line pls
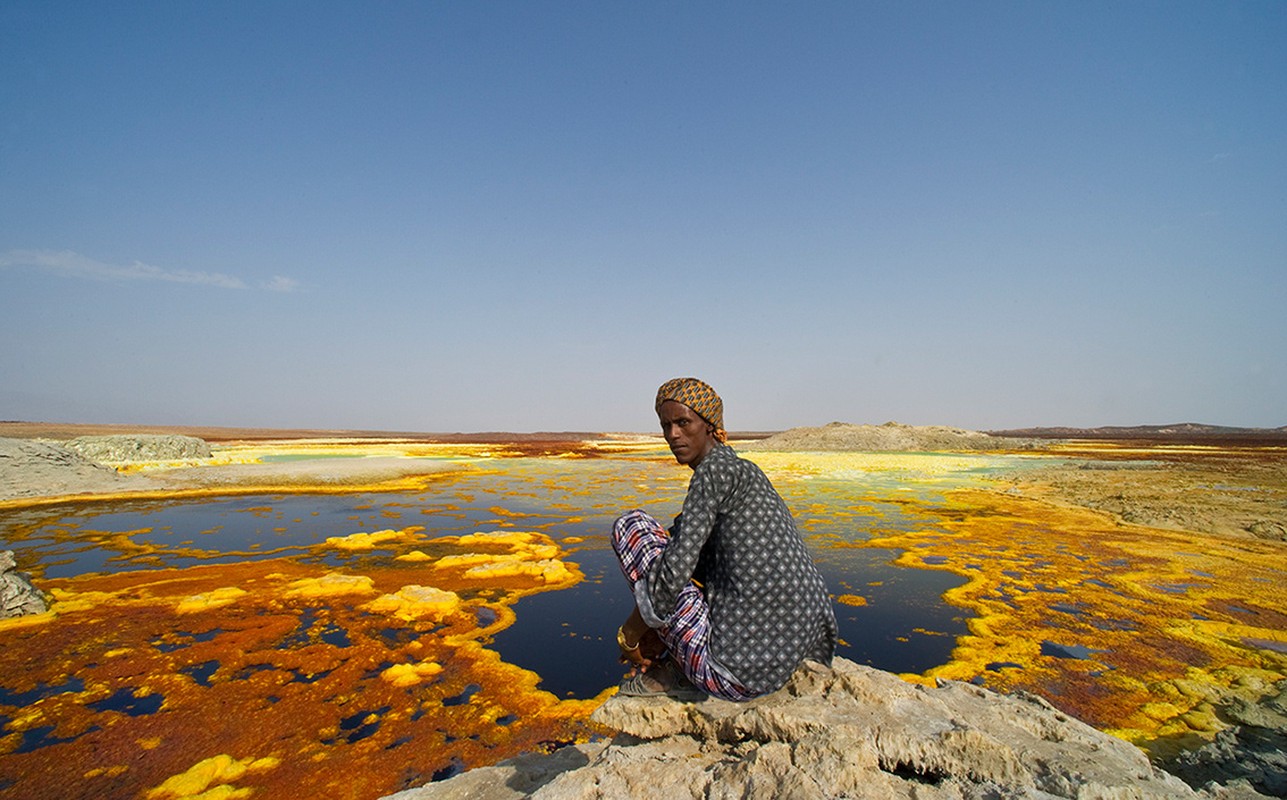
(730, 603)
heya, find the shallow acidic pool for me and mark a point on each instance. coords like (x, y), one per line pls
(254, 615)
(565, 636)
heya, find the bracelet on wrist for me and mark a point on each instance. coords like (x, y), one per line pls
(621, 641)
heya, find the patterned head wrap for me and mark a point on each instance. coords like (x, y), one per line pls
(698, 396)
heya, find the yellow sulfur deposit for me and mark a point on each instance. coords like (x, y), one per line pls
(209, 779)
(464, 560)
(374, 675)
(416, 602)
(547, 570)
(528, 543)
(367, 662)
(522, 554)
(331, 584)
(515, 540)
(1132, 629)
(67, 600)
(410, 674)
(369, 541)
(414, 555)
(844, 465)
(218, 598)
(111, 772)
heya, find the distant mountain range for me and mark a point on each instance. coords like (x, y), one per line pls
(1183, 431)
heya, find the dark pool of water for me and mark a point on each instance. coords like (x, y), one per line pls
(567, 636)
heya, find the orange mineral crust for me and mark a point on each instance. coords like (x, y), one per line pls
(1142, 632)
(281, 677)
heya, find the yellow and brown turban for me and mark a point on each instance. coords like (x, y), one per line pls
(698, 396)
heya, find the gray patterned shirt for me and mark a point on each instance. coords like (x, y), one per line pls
(769, 607)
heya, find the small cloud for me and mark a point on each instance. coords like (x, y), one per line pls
(68, 263)
(1218, 157)
(280, 283)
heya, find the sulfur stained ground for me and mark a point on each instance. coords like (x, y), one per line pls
(1142, 632)
(356, 665)
(1145, 632)
(351, 665)
(281, 677)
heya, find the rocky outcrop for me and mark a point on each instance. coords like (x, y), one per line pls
(17, 596)
(1268, 529)
(846, 731)
(1253, 750)
(33, 469)
(891, 436)
(1224, 493)
(140, 447)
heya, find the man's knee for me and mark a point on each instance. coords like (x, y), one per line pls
(629, 528)
(631, 515)
(629, 520)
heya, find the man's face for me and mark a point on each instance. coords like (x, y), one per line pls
(690, 437)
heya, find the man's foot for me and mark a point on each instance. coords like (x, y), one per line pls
(663, 680)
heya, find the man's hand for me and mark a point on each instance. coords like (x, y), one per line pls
(640, 645)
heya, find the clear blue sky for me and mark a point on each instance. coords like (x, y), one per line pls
(527, 215)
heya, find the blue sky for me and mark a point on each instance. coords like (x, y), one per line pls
(526, 216)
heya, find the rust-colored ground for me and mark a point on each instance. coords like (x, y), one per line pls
(1139, 588)
(280, 677)
(1142, 631)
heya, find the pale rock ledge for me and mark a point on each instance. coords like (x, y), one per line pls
(846, 731)
(17, 596)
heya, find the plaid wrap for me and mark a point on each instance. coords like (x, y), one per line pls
(638, 540)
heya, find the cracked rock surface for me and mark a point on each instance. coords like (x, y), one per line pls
(845, 731)
(17, 596)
